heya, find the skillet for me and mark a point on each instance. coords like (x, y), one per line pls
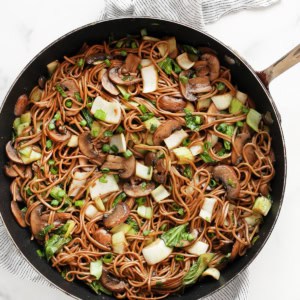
(250, 82)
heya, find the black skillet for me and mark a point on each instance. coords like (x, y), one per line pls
(248, 81)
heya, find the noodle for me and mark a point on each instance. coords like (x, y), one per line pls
(46, 197)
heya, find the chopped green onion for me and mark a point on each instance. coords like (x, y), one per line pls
(120, 129)
(187, 172)
(77, 96)
(206, 157)
(54, 202)
(40, 253)
(245, 109)
(133, 45)
(105, 148)
(146, 232)
(80, 63)
(79, 203)
(61, 91)
(146, 116)
(51, 126)
(192, 122)
(83, 123)
(108, 133)
(123, 91)
(143, 108)
(114, 149)
(53, 171)
(61, 193)
(183, 79)
(119, 44)
(239, 124)
(119, 198)
(179, 257)
(168, 65)
(197, 120)
(108, 258)
(87, 116)
(105, 170)
(140, 200)
(127, 154)
(100, 114)
(107, 62)
(144, 32)
(51, 162)
(123, 53)
(163, 227)
(153, 127)
(103, 179)
(227, 145)
(220, 86)
(69, 103)
(57, 116)
(186, 142)
(29, 192)
(143, 185)
(190, 49)
(212, 183)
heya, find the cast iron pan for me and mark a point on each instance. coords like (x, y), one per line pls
(248, 81)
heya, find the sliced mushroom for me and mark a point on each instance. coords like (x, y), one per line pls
(42, 82)
(71, 87)
(138, 190)
(82, 162)
(126, 167)
(165, 130)
(59, 137)
(116, 76)
(18, 214)
(239, 142)
(12, 153)
(10, 171)
(172, 104)
(193, 86)
(96, 57)
(159, 169)
(264, 189)
(15, 191)
(118, 215)
(212, 110)
(132, 63)
(249, 154)
(108, 85)
(102, 237)
(21, 105)
(28, 172)
(112, 283)
(86, 147)
(213, 65)
(201, 67)
(227, 176)
(235, 250)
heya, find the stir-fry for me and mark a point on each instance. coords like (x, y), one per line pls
(139, 167)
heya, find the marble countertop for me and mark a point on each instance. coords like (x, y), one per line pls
(261, 36)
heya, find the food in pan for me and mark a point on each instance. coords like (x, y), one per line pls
(139, 166)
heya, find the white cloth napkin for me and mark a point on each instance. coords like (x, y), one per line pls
(196, 14)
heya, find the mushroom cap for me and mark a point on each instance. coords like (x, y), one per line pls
(165, 130)
(96, 57)
(15, 191)
(172, 104)
(59, 137)
(10, 171)
(132, 62)
(116, 77)
(227, 176)
(103, 237)
(138, 190)
(118, 215)
(213, 64)
(21, 105)
(112, 283)
(86, 147)
(126, 167)
(108, 85)
(249, 154)
(38, 221)
(13, 154)
(18, 214)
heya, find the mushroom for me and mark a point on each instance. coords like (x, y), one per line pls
(96, 57)
(102, 237)
(116, 76)
(12, 153)
(201, 68)
(172, 104)
(84, 161)
(15, 191)
(18, 214)
(10, 170)
(86, 147)
(112, 283)
(249, 154)
(71, 87)
(239, 142)
(213, 65)
(108, 85)
(159, 169)
(21, 104)
(138, 190)
(132, 63)
(118, 215)
(235, 250)
(264, 189)
(165, 130)
(126, 167)
(62, 137)
(42, 82)
(227, 176)
(193, 85)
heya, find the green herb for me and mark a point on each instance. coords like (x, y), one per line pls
(197, 269)
(163, 227)
(143, 108)
(119, 44)
(168, 65)
(227, 145)
(108, 133)
(175, 236)
(103, 179)
(97, 287)
(51, 162)
(80, 63)
(105, 170)
(57, 116)
(153, 127)
(119, 198)
(254, 240)
(221, 152)
(54, 244)
(226, 129)
(220, 86)
(245, 109)
(146, 116)
(83, 123)
(192, 122)
(114, 148)
(87, 116)
(127, 154)
(211, 234)
(54, 202)
(107, 62)
(79, 203)
(183, 79)
(123, 53)
(239, 124)
(100, 114)
(212, 183)
(133, 224)
(133, 45)
(61, 90)
(179, 257)
(69, 103)
(206, 157)
(146, 232)
(144, 32)
(108, 258)
(46, 230)
(187, 172)
(143, 185)
(40, 253)
(140, 200)
(51, 126)
(120, 129)
(53, 170)
(190, 49)
(124, 93)
(29, 192)
(77, 96)
(57, 193)
(105, 148)
(186, 142)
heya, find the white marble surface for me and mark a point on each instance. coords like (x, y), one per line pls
(261, 36)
